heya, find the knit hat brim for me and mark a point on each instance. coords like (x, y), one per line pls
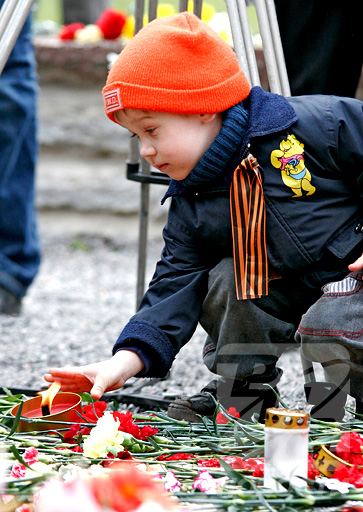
(175, 64)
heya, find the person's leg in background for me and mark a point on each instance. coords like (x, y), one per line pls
(19, 244)
(322, 43)
(331, 333)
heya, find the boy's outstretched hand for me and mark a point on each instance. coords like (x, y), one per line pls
(357, 265)
(97, 378)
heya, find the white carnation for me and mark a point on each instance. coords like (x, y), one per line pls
(104, 437)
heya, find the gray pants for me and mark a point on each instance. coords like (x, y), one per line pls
(331, 332)
(247, 337)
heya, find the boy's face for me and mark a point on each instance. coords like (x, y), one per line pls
(172, 143)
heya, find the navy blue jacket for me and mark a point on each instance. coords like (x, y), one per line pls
(310, 150)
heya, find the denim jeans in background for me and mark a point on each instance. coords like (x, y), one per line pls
(19, 245)
(331, 332)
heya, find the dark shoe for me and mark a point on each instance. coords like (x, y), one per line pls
(10, 304)
(247, 397)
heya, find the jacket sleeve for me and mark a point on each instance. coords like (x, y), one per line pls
(347, 123)
(170, 309)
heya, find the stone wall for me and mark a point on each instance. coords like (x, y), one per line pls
(72, 62)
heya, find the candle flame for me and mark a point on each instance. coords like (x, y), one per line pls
(49, 394)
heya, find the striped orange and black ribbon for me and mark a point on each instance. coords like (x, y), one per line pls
(249, 230)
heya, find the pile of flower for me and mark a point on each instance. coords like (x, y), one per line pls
(114, 24)
(117, 461)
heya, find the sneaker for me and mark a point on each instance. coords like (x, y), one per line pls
(247, 397)
(10, 304)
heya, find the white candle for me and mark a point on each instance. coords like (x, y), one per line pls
(286, 447)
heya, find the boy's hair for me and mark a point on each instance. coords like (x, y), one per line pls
(175, 64)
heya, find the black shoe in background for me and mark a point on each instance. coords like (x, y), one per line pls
(10, 304)
(247, 397)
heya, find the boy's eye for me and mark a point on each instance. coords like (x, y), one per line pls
(133, 135)
(149, 130)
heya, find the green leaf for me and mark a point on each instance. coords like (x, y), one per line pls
(205, 423)
(115, 405)
(154, 444)
(16, 421)
(256, 452)
(261, 497)
(17, 455)
(7, 391)
(285, 406)
(214, 419)
(234, 475)
(237, 437)
(175, 441)
(251, 437)
(86, 397)
(85, 420)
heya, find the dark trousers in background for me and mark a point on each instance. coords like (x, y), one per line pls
(323, 45)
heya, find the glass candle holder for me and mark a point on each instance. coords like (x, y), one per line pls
(286, 447)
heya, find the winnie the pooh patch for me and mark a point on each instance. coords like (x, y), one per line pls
(290, 159)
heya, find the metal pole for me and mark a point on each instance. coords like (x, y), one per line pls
(197, 9)
(15, 14)
(238, 43)
(268, 47)
(248, 43)
(183, 5)
(5, 14)
(143, 232)
(153, 7)
(144, 189)
(279, 52)
(139, 15)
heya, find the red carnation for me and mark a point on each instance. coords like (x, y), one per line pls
(73, 432)
(208, 463)
(127, 425)
(147, 431)
(232, 411)
(88, 411)
(312, 471)
(350, 474)
(236, 462)
(67, 32)
(349, 446)
(111, 23)
(176, 456)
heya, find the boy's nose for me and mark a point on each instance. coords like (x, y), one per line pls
(147, 150)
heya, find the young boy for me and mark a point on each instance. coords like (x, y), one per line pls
(265, 210)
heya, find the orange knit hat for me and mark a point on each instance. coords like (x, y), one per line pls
(175, 64)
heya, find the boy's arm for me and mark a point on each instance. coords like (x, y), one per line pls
(97, 378)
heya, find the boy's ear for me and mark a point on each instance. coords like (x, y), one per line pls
(207, 118)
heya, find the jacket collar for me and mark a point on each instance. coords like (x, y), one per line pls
(266, 113)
